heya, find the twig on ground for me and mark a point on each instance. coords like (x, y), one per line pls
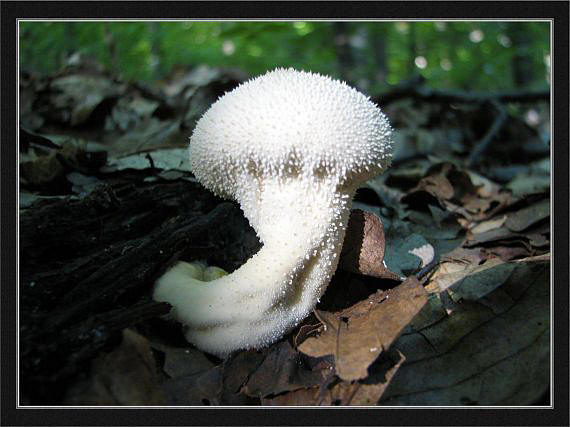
(459, 96)
(493, 131)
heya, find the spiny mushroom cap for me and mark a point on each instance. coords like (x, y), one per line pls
(290, 123)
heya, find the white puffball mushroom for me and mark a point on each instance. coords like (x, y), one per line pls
(291, 147)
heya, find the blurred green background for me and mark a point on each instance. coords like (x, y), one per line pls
(371, 55)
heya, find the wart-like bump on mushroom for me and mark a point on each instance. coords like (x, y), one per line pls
(291, 147)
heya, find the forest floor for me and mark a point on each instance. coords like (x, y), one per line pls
(108, 202)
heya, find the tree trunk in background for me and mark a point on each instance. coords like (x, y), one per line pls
(412, 50)
(345, 59)
(156, 41)
(378, 44)
(70, 37)
(522, 69)
(452, 48)
(112, 49)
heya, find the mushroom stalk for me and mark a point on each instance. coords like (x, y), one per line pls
(277, 287)
(291, 148)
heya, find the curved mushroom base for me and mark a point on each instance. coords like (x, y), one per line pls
(277, 287)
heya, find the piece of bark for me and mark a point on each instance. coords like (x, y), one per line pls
(88, 266)
(364, 246)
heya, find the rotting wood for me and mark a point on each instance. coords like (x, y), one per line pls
(88, 266)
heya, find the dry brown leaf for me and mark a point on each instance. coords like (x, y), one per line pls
(282, 370)
(481, 193)
(544, 258)
(530, 183)
(485, 187)
(125, 376)
(357, 336)
(79, 94)
(203, 388)
(238, 368)
(506, 253)
(301, 397)
(149, 135)
(304, 332)
(466, 255)
(489, 225)
(482, 280)
(461, 192)
(370, 391)
(470, 280)
(425, 252)
(524, 218)
(180, 362)
(437, 185)
(359, 393)
(44, 170)
(474, 204)
(495, 236)
(493, 351)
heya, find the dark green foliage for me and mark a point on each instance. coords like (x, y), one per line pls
(470, 55)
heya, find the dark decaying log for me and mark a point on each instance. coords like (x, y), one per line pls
(87, 268)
